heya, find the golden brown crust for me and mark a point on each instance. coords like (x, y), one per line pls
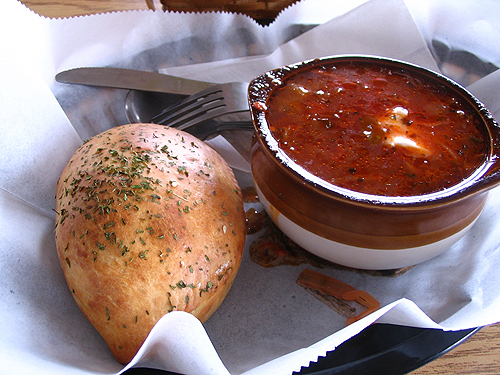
(150, 220)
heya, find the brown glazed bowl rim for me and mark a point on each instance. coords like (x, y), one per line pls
(484, 178)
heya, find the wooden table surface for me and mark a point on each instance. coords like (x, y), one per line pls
(480, 354)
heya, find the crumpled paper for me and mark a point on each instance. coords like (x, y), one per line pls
(267, 324)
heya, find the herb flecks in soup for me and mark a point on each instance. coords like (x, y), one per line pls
(376, 130)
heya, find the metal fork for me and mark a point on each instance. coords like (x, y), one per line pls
(204, 129)
(215, 101)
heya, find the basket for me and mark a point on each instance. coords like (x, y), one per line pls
(257, 9)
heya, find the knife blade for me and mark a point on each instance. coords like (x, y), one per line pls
(131, 79)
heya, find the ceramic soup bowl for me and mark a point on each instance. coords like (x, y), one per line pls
(370, 162)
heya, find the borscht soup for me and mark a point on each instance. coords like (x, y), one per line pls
(376, 129)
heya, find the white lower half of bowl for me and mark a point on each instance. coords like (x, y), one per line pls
(353, 256)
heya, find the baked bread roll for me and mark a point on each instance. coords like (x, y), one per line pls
(150, 220)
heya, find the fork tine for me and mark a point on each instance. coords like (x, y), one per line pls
(192, 112)
(195, 101)
(209, 103)
(196, 118)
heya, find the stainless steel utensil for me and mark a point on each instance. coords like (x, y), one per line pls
(207, 104)
(207, 128)
(142, 106)
(131, 80)
(161, 98)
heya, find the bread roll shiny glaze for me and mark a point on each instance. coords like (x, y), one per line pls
(150, 220)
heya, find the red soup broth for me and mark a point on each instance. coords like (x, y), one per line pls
(376, 130)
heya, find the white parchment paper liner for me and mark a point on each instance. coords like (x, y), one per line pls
(267, 325)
